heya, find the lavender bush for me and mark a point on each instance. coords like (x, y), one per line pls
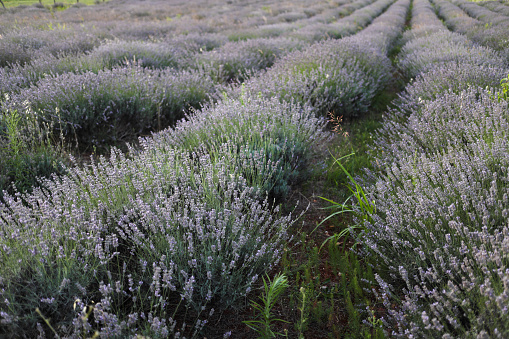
(273, 141)
(147, 54)
(236, 60)
(340, 76)
(176, 54)
(422, 54)
(483, 32)
(26, 153)
(449, 77)
(113, 104)
(138, 243)
(441, 217)
(21, 46)
(17, 77)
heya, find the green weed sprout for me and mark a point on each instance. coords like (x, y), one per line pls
(364, 210)
(303, 314)
(504, 94)
(265, 318)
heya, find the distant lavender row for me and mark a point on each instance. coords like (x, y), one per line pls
(110, 105)
(440, 46)
(24, 45)
(348, 25)
(163, 17)
(19, 45)
(481, 32)
(496, 7)
(483, 14)
(441, 194)
(233, 61)
(303, 29)
(317, 30)
(337, 13)
(336, 76)
(238, 60)
(175, 53)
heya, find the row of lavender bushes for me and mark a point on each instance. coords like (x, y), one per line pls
(156, 238)
(225, 62)
(478, 23)
(87, 102)
(64, 33)
(101, 108)
(495, 6)
(440, 193)
(122, 89)
(340, 76)
(181, 226)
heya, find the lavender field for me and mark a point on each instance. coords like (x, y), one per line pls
(255, 169)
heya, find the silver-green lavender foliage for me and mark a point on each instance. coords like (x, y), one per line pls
(365, 12)
(440, 225)
(23, 45)
(235, 61)
(490, 31)
(449, 77)
(142, 237)
(273, 141)
(442, 216)
(127, 100)
(338, 76)
(496, 7)
(443, 47)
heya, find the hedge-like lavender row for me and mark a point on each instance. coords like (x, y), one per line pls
(423, 22)
(350, 24)
(359, 19)
(340, 76)
(483, 14)
(315, 28)
(334, 14)
(225, 64)
(455, 18)
(492, 36)
(325, 27)
(237, 60)
(176, 53)
(444, 47)
(180, 224)
(24, 45)
(441, 220)
(441, 60)
(385, 29)
(111, 104)
(496, 7)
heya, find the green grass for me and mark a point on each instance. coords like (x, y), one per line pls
(355, 137)
(14, 3)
